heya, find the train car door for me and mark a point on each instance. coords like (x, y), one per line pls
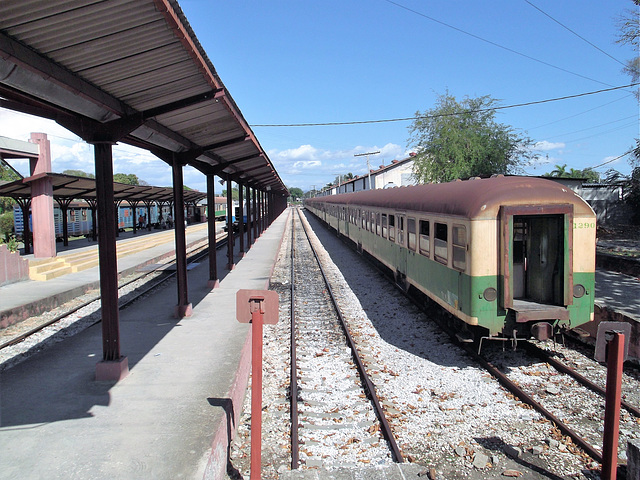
(537, 261)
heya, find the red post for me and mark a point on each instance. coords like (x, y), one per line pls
(259, 307)
(615, 359)
(256, 390)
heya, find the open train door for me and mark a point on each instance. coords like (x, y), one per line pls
(537, 261)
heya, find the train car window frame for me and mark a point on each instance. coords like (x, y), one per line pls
(425, 238)
(441, 242)
(378, 224)
(459, 244)
(400, 223)
(384, 225)
(411, 233)
(392, 228)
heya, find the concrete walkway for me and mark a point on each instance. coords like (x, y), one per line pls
(169, 418)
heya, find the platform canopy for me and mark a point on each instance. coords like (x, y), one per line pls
(72, 187)
(134, 66)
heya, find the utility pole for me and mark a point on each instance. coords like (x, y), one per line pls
(339, 181)
(371, 187)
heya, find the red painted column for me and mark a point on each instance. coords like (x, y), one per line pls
(44, 234)
(113, 365)
(615, 360)
(256, 393)
(184, 308)
(230, 264)
(241, 219)
(211, 225)
(255, 214)
(249, 217)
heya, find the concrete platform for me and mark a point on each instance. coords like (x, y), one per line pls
(32, 297)
(616, 300)
(170, 418)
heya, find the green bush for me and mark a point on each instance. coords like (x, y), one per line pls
(6, 225)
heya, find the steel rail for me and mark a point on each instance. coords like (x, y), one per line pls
(558, 365)
(25, 335)
(386, 428)
(503, 379)
(526, 398)
(295, 447)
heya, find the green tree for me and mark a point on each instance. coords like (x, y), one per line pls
(7, 175)
(6, 226)
(295, 193)
(126, 178)
(462, 139)
(235, 194)
(559, 171)
(80, 173)
(629, 25)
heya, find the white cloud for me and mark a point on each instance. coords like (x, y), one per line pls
(546, 146)
(306, 165)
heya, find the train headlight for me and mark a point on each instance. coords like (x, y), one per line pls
(490, 294)
(579, 291)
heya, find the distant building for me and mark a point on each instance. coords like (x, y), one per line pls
(399, 173)
(606, 200)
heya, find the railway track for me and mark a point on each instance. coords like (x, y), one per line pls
(334, 401)
(448, 414)
(84, 311)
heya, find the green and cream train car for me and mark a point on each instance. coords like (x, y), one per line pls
(513, 255)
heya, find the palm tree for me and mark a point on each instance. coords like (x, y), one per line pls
(559, 171)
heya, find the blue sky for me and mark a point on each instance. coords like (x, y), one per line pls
(288, 62)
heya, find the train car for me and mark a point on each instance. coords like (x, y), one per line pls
(236, 216)
(512, 255)
(79, 220)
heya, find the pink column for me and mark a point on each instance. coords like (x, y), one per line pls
(44, 235)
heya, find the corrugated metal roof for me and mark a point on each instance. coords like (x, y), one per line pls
(73, 187)
(138, 59)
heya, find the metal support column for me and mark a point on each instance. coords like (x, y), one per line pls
(211, 225)
(113, 366)
(255, 214)
(249, 217)
(183, 308)
(230, 264)
(241, 226)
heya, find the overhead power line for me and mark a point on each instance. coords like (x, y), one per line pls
(405, 119)
(575, 33)
(477, 37)
(611, 161)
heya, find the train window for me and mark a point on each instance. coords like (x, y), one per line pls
(392, 227)
(377, 223)
(384, 225)
(71, 215)
(365, 217)
(440, 242)
(83, 212)
(424, 237)
(411, 233)
(459, 247)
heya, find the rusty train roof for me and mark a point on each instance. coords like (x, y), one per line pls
(476, 198)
